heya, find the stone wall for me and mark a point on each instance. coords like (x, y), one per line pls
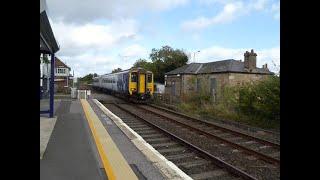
(173, 87)
(179, 86)
(242, 78)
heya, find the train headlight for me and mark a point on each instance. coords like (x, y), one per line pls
(133, 89)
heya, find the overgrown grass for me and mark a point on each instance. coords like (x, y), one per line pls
(255, 104)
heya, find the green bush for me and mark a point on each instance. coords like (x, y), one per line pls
(261, 99)
(253, 103)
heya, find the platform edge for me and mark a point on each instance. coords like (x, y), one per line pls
(166, 167)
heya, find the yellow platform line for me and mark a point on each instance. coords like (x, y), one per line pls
(114, 163)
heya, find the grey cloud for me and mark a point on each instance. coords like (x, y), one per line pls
(82, 11)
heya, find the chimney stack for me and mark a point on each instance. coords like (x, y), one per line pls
(250, 60)
(265, 66)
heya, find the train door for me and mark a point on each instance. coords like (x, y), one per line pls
(150, 87)
(142, 83)
(133, 82)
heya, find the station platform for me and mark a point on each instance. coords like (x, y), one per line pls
(86, 144)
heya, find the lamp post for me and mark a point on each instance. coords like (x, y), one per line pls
(194, 56)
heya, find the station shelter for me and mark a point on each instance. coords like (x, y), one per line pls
(48, 47)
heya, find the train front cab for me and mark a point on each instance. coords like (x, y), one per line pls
(141, 84)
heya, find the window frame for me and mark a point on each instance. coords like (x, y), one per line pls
(134, 74)
(149, 75)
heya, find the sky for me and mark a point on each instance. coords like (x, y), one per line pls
(96, 36)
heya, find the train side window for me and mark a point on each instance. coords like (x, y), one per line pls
(149, 78)
(133, 77)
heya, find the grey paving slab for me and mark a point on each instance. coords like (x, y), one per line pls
(127, 148)
(69, 154)
(44, 105)
(46, 128)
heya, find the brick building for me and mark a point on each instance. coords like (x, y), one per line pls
(212, 77)
(63, 80)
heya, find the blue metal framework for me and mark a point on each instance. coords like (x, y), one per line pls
(48, 45)
(51, 84)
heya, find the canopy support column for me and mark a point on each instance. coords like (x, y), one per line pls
(51, 110)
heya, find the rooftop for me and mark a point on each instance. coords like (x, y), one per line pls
(59, 63)
(229, 65)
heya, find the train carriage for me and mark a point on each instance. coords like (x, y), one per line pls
(135, 83)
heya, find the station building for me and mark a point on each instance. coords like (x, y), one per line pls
(212, 77)
(63, 79)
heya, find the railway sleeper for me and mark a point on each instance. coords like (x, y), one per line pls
(194, 163)
(152, 136)
(165, 145)
(142, 133)
(157, 140)
(209, 174)
(145, 128)
(136, 124)
(180, 156)
(172, 150)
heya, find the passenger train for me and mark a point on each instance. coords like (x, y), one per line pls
(135, 83)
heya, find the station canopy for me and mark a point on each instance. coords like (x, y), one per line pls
(48, 42)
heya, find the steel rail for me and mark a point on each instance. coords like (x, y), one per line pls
(269, 143)
(235, 145)
(222, 164)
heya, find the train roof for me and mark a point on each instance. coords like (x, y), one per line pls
(127, 70)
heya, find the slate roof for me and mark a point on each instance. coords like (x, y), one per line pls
(229, 65)
(59, 63)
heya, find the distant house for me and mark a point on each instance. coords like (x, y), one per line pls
(63, 80)
(212, 77)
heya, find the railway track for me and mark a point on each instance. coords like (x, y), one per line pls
(217, 150)
(263, 134)
(262, 149)
(193, 160)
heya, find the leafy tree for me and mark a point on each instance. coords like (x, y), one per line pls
(166, 59)
(116, 70)
(144, 64)
(87, 79)
(163, 60)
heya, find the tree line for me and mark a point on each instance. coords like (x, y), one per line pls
(163, 60)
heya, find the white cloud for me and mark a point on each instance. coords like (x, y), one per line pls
(231, 10)
(75, 39)
(89, 48)
(276, 10)
(135, 51)
(258, 5)
(102, 63)
(228, 13)
(217, 53)
(88, 10)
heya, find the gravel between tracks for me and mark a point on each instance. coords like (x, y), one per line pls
(251, 165)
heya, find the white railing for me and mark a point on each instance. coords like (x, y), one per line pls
(84, 94)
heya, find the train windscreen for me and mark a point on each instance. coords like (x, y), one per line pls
(134, 77)
(149, 78)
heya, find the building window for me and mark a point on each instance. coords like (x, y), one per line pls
(61, 70)
(198, 85)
